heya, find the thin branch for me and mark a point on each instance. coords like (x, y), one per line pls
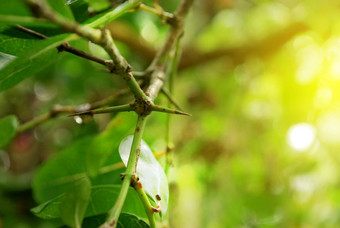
(57, 110)
(114, 109)
(149, 209)
(193, 57)
(175, 33)
(262, 48)
(97, 36)
(170, 98)
(165, 16)
(172, 72)
(114, 213)
(67, 47)
(158, 108)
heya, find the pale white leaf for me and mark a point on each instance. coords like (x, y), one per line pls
(150, 172)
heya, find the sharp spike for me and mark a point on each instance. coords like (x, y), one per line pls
(120, 108)
(171, 99)
(158, 108)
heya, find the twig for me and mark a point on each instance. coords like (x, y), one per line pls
(57, 110)
(97, 36)
(158, 108)
(143, 104)
(114, 213)
(170, 98)
(67, 47)
(157, 80)
(165, 16)
(114, 109)
(173, 68)
(175, 33)
(149, 209)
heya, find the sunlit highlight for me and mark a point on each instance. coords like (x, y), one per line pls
(301, 136)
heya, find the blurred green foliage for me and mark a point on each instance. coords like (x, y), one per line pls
(238, 161)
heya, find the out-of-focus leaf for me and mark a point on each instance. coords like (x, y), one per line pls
(150, 172)
(131, 221)
(16, 11)
(99, 154)
(59, 173)
(19, 8)
(8, 126)
(103, 145)
(14, 7)
(102, 198)
(80, 10)
(61, 7)
(99, 4)
(126, 220)
(74, 204)
(39, 56)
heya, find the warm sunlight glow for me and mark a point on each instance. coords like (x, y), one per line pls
(301, 136)
(310, 63)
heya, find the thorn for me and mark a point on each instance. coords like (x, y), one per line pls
(119, 108)
(158, 108)
(171, 99)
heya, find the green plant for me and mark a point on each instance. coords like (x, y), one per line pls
(83, 181)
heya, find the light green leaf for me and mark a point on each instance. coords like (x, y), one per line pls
(8, 126)
(150, 172)
(74, 203)
(102, 198)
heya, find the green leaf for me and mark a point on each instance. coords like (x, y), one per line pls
(16, 11)
(19, 8)
(13, 41)
(14, 7)
(36, 57)
(126, 220)
(102, 198)
(74, 204)
(57, 175)
(39, 56)
(72, 164)
(80, 10)
(150, 172)
(61, 7)
(131, 221)
(108, 141)
(8, 126)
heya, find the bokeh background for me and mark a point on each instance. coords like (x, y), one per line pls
(262, 81)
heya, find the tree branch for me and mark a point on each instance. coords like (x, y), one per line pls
(67, 47)
(114, 213)
(262, 48)
(57, 110)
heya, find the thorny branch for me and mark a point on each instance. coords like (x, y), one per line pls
(58, 110)
(143, 104)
